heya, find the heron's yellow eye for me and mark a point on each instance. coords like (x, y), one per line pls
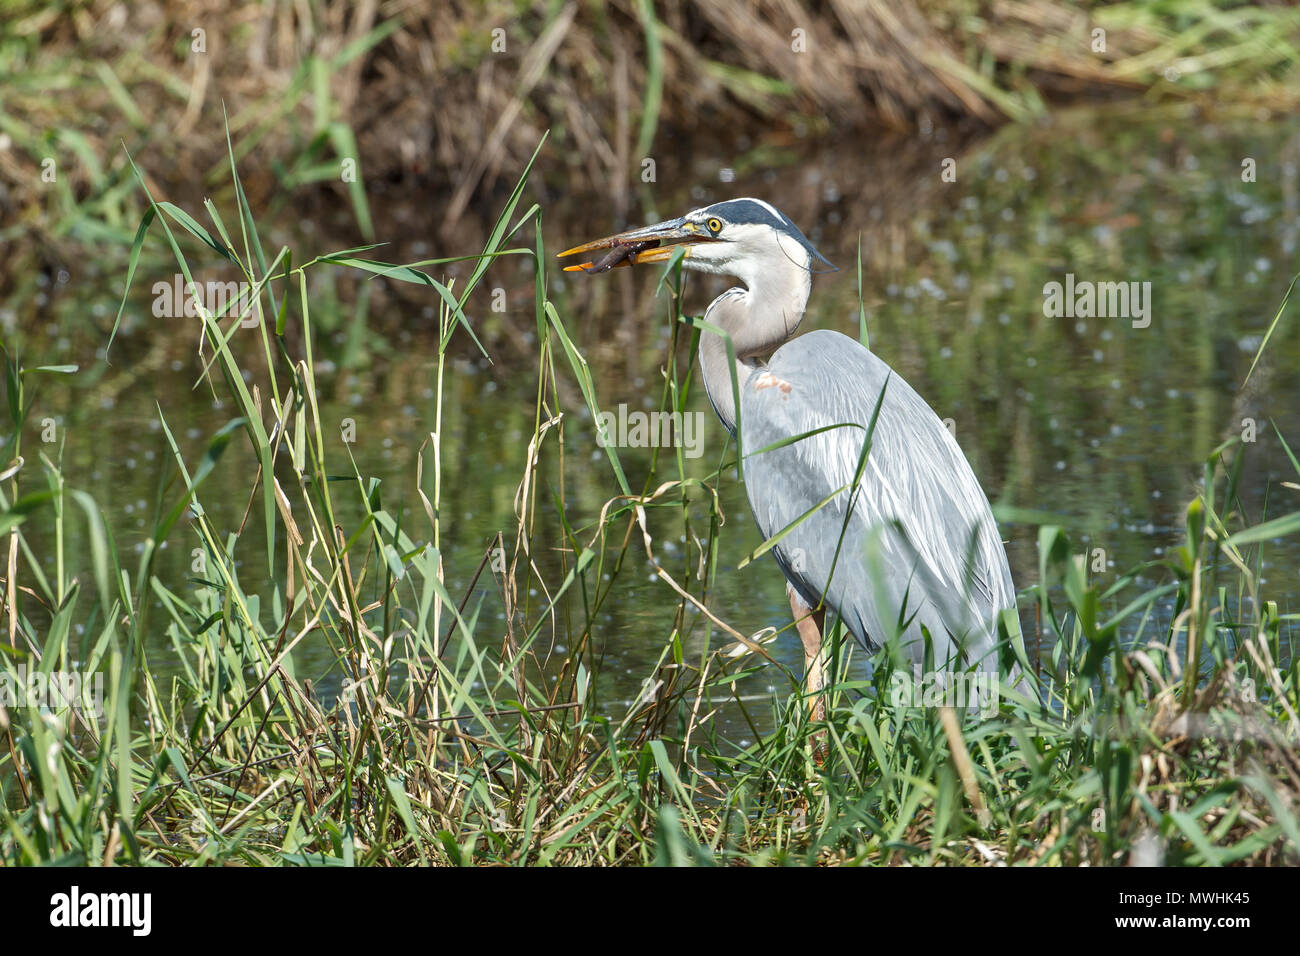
(715, 225)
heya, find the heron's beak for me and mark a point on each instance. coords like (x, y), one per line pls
(647, 244)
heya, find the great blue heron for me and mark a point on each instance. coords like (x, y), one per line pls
(901, 545)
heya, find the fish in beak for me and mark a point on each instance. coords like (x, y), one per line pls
(638, 246)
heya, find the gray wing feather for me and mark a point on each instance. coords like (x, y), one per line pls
(920, 548)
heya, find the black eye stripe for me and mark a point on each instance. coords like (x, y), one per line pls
(752, 212)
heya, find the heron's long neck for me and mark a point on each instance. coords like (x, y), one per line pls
(758, 319)
(717, 377)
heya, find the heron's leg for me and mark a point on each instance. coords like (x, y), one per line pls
(809, 624)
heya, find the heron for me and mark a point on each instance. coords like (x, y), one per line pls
(896, 537)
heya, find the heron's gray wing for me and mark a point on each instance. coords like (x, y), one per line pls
(920, 548)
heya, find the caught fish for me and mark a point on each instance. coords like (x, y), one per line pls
(617, 254)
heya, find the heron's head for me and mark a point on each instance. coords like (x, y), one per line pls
(745, 238)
